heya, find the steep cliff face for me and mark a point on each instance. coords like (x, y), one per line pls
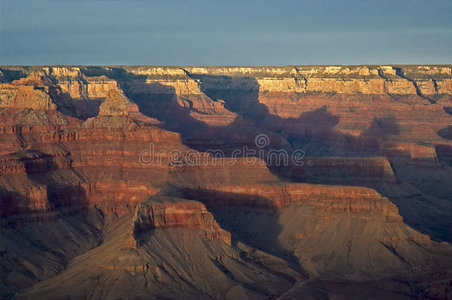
(406, 80)
(341, 170)
(337, 199)
(186, 101)
(78, 86)
(411, 150)
(164, 212)
(30, 92)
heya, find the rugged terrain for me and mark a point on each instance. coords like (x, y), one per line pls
(226, 182)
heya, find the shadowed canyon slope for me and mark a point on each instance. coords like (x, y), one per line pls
(225, 182)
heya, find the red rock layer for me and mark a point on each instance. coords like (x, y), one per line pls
(410, 150)
(116, 140)
(165, 212)
(367, 170)
(340, 199)
(51, 160)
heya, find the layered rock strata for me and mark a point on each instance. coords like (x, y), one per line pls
(80, 148)
(164, 212)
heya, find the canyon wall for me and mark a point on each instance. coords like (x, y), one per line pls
(107, 153)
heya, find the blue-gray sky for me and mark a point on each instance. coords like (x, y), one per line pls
(228, 32)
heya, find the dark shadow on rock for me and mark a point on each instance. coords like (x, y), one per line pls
(399, 72)
(80, 109)
(214, 198)
(64, 196)
(382, 128)
(251, 219)
(11, 74)
(258, 228)
(448, 109)
(444, 153)
(10, 201)
(311, 131)
(61, 192)
(154, 99)
(446, 133)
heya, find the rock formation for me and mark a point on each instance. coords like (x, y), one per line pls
(116, 104)
(30, 92)
(178, 213)
(123, 182)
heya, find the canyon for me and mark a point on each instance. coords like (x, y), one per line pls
(226, 182)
